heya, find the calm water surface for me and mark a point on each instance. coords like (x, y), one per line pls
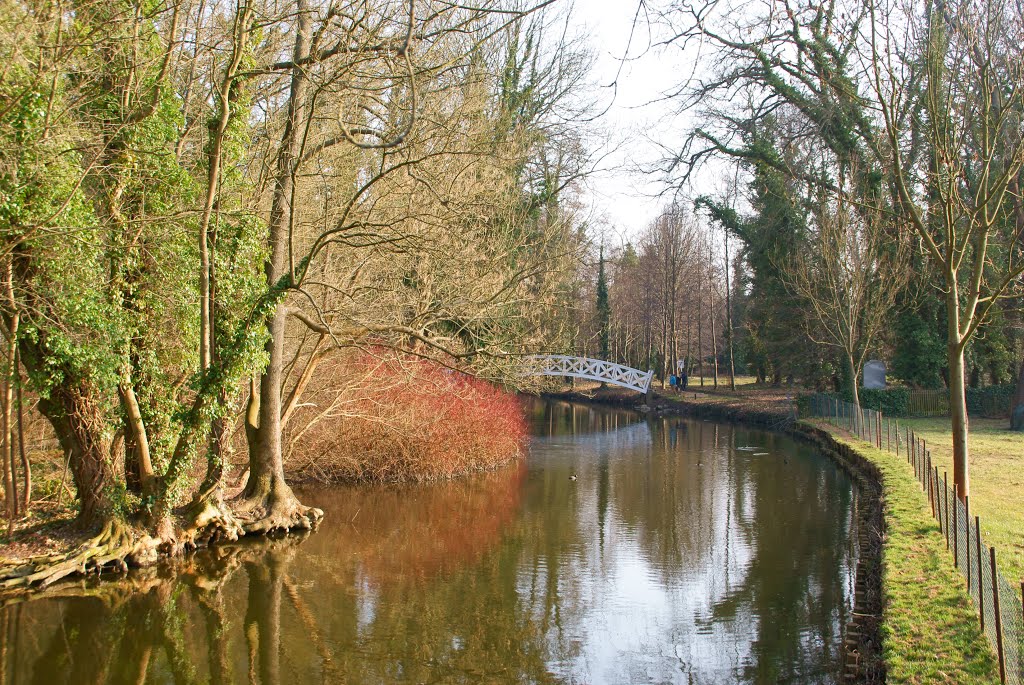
(682, 552)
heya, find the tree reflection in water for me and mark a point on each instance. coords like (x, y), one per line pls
(673, 557)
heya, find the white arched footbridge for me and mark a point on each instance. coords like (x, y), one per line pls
(587, 369)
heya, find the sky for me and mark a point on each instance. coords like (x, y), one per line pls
(636, 112)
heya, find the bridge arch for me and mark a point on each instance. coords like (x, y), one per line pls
(589, 369)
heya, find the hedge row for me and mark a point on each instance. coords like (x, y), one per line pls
(991, 401)
(994, 400)
(890, 401)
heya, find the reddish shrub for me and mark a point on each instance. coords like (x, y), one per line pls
(386, 417)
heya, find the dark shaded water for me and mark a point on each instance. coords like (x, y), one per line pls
(674, 556)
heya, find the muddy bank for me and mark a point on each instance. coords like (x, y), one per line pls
(771, 411)
(862, 639)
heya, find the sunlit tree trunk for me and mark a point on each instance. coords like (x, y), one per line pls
(957, 395)
(266, 491)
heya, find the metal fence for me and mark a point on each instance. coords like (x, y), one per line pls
(928, 403)
(1000, 603)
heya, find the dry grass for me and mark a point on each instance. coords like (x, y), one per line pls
(385, 417)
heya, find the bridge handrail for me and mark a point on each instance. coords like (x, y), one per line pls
(588, 368)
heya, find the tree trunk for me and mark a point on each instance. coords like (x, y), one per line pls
(7, 401)
(79, 425)
(266, 466)
(139, 440)
(1017, 410)
(711, 308)
(958, 418)
(664, 343)
(957, 395)
(700, 333)
(851, 369)
(728, 315)
(267, 496)
(26, 467)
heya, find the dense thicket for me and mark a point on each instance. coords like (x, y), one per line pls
(203, 200)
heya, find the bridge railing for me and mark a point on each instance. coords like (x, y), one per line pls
(587, 369)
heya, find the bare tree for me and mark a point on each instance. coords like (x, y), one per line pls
(849, 273)
(954, 79)
(924, 98)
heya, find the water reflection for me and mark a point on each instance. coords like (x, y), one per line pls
(682, 552)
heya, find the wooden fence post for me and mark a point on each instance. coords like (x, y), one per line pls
(981, 585)
(945, 496)
(928, 479)
(996, 617)
(924, 450)
(913, 453)
(924, 467)
(917, 459)
(956, 535)
(923, 457)
(967, 526)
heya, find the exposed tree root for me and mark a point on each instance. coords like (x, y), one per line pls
(115, 548)
(276, 514)
(113, 596)
(120, 546)
(209, 520)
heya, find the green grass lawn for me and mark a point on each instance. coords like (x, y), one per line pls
(996, 466)
(930, 629)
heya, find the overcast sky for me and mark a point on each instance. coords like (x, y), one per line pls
(636, 110)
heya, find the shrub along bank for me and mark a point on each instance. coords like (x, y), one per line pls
(385, 417)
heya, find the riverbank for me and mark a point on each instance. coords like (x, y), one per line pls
(771, 408)
(928, 630)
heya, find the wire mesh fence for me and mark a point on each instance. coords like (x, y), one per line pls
(1000, 603)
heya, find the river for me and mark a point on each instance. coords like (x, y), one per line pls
(621, 550)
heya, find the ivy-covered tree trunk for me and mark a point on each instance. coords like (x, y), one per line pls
(79, 426)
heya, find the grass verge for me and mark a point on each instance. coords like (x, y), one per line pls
(997, 481)
(930, 630)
